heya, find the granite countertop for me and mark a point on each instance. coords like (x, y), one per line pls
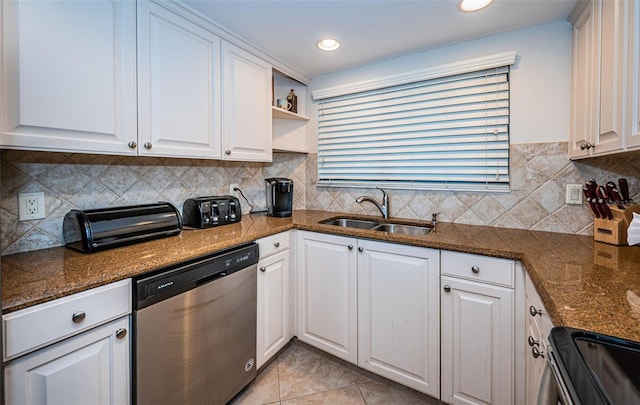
(583, 284)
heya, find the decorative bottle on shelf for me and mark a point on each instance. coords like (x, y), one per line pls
(293, 100)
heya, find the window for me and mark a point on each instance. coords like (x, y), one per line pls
(445, 132)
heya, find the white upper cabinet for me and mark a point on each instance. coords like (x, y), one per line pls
(69, 81)
(246, 112)
(632, 120)
(178, 85)
(604, 109)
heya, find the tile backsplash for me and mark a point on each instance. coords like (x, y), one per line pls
(539, 175)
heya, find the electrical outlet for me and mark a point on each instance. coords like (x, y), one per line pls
(574, 194)
(30, 206)
(231, 187)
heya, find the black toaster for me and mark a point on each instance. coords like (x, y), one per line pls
(205, 212)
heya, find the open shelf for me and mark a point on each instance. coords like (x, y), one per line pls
(287, 115)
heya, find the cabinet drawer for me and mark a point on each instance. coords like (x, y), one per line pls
(479, 268)
(273, 244)
(37, 326)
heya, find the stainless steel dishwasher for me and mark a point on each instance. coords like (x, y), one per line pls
(195, 330)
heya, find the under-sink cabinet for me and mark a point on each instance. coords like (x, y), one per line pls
(327, 293)
(374, 304)
(274, 297)
(480, 350)
(73, 350)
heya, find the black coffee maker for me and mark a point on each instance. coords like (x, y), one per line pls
(279, 192)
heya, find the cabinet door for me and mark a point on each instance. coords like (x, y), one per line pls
(246, 133)
(90, 368)
(273, 306)
(398, 314)
(583, 84)
(610, 75)
(534, 366)
(327, 293)
(477, 343)
(632, 130)
(179, 85)
(69, 80)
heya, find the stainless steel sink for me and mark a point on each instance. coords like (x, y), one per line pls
(414, 230)
(351, 223)
(402, 229)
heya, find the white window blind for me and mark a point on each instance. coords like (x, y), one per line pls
(447, 133)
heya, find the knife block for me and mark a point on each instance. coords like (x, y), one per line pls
(614, 231)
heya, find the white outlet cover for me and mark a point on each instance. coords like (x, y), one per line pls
(574, 194)
(31, 206)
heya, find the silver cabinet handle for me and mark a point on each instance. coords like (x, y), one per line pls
(263, 269)
(475, 269)
(533, 311)
(586, 146)
(78, 317)
(360, 249)
(227, 152)
(447, 288)
(277, 244)
(350, 247)
(147, 145)
(120, 333)
(536, 353)
(132, 144)
(532, 342)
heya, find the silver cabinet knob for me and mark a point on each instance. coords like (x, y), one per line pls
(535, 352)
(532, 342)
(132, 144)
(350, 247)
(263, 269)
(475, 269)
(586, 146)
(227, 152)
(360, 249)
(533, 311)
(447, 288)
(121, 333)
(78, 317)
(277, 244)
(147, 145)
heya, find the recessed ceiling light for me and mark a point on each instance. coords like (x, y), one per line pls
(473, 5)
(328, 44)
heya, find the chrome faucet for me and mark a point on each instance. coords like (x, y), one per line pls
(384, 207)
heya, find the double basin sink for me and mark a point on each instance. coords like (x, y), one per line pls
(389, 227)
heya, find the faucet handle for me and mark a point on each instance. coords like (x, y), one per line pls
(434, 217)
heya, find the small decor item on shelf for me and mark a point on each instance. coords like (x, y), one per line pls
(293, 100)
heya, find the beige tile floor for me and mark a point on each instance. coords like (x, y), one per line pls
(302, 375)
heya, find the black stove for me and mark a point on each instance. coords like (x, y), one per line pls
(597, 369)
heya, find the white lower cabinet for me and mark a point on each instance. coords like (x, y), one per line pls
(327, 293)
(374, 304)
(478, 331)
(90, 368)
(274, 310)
(399, 314)
(538, 327)
(73, 350)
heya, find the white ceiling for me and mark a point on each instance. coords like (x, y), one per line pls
(369, 30)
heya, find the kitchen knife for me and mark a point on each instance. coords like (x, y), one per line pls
(604, 209)
(587, 195)
(601, 193)
(624, 189)
(617, 199)
(592, 185)
(610, 186)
